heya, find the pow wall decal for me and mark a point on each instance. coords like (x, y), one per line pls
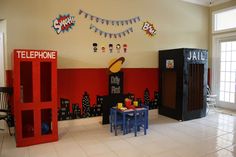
(63, 23)
(149, 29)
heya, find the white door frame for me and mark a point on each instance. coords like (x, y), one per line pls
(216, 65)
(2, 59)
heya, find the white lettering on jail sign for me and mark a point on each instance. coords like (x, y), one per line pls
(36, 54)
(196, 55)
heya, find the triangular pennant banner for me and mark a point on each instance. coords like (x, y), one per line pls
(111, 35)
(80, 12)
(107, 21)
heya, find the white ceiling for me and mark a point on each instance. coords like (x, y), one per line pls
(207, 2)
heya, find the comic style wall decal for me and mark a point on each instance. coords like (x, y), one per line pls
(149, 29)
(95, 47)
(111, 48)
(115, 64)
(63, 23)
(103, 48)
(125, 46)
(118, 47)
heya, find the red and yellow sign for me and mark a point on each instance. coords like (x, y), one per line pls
(63, 23)
(149, 29)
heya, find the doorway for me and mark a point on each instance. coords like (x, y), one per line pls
(224, 71)
(2, 67)
(227, 73)
(3, 50)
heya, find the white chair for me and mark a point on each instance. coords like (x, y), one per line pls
(5, 112)
(210, 100)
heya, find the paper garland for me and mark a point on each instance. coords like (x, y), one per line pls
(107, 21)
(110, 35)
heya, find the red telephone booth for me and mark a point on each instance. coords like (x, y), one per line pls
(35, 96)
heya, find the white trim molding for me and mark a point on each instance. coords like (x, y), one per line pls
(215, 85)
(2, 62)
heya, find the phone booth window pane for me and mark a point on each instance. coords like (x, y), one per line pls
(26, 82)
(45, 81)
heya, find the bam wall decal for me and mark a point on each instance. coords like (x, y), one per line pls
(149, 29)
(107, 22)
(63, 23)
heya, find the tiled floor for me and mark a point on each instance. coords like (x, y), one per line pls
(212, 136)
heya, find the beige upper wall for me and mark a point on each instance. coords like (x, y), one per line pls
(179, 25)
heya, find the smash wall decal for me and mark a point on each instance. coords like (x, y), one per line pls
(149, 29)
(63, 23)
(107, 22)
(111, 35)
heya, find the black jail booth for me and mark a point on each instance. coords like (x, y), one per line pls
(183, 83)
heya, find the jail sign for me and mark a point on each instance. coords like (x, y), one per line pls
(196, 55)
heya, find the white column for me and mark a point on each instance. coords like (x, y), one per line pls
(2, 67)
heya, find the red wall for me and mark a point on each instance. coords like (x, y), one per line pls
(136, 80)
(72, 83)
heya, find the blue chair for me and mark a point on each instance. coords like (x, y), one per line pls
(116, 120)
(120, 118)
(147, 107)
(138, 120)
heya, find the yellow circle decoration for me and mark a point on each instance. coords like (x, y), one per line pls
(115, 64)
